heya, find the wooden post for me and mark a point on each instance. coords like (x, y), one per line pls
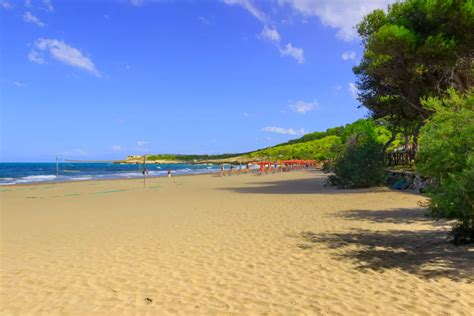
(144, 171)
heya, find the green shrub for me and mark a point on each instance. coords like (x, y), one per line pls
(319, 149)
(446, 153)
(361, 165)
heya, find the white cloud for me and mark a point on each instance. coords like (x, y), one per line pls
(62, 52)
(5, 4)
(19, 84)
(342, 15)
(48, 5)
(137, 3)
(34, 57)
(250, 7)
(353, 90)
(45, 5)
(203, 20)
(30, 18)
(270, 34)
(142, 143)
(303, 107)
(117, 148)
(284, 131)
(296, 53)
(349, 55)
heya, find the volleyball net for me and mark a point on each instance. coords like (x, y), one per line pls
(71, 167)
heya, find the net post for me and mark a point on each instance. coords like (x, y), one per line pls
(144, 171)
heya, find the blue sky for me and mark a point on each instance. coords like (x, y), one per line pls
(104, 79)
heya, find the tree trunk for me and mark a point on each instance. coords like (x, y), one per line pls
(390, 141)
(416, 132)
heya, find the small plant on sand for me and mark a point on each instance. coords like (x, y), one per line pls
(446, 154)
(361, 164)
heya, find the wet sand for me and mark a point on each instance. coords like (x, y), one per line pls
(277, 244)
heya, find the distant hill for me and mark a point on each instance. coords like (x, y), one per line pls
(316, 145)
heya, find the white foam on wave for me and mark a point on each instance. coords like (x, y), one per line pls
(125, 175)
(7, 181)
(80, 178)
(38, 178)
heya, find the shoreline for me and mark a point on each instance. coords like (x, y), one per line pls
(211, 174)
(139, 178)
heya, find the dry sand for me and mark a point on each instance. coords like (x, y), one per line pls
(277, 244)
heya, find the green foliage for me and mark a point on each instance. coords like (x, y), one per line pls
(414, 54)
(189, 157)
(343, 132)
(336, 131)
(326, 145)
(320, 146)
(375, 129)
(416, 50)
(361, 164)
(320, 149)
(446, 153)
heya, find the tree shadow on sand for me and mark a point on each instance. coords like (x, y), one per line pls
(425, 253)
(316, 185)
(393, 216)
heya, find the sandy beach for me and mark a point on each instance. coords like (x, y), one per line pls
(274, 244)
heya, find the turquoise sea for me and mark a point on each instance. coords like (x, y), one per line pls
(34, 172)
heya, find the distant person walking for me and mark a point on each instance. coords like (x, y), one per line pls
(169, 173)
